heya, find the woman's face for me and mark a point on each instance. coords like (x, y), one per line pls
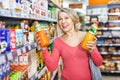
(65, 22)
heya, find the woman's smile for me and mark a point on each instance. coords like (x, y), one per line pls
(64, 25)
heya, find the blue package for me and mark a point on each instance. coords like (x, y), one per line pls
(101, 41)
(5, 40)
(4, 70)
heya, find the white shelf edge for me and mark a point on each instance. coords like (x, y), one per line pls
(114, 21)
(108, 44)
(18, 51)
(47, 19)
(41, 72)
(54, 73)
(113, 13)
(114, 53)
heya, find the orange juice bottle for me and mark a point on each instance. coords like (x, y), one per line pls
(90, 35)
(42, 37)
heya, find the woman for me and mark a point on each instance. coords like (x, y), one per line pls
(75, 59)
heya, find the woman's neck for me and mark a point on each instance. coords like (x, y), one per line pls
(70, 33)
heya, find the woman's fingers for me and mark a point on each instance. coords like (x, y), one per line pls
(91, 45)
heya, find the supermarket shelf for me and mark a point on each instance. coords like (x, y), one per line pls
(102, 28)
(104, 36)
(90, 23)
(108, 44)
(104, 14)
(114, 53)
(51, 3)
(104, 53)
(108, 29)
(34, 76)
(110, 71)
(113, 61)
(114, 71)
(41, 72)
(114, 21)
(8, 56)
(113, 14)
(54, 74)
(113, 5)
(96, 6)
(115, 28)
(22, 18)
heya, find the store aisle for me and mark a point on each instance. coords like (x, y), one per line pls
(105, 77)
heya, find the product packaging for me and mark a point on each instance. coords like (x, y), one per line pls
(42, 37)
(90, 36)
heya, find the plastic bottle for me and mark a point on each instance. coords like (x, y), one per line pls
(42, 37)
(90, 35)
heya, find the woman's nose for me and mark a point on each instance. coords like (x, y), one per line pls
(63, 20)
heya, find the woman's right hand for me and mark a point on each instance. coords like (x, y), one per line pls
(39, 42)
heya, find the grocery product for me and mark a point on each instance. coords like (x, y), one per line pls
(90, 35)
(42, 37)
(5, 40)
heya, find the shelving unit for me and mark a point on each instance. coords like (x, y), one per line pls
(96, 13)
(108, 36)
(17, 17)
(110, 51)
(13, 54)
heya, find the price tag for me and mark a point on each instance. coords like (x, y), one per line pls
(110, 44)
(110, 36)
(29, 47)
(2, 59)
(18, 52)
(24, 50)
(9, 56)
(99, 44)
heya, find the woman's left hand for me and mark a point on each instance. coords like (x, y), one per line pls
(92, 45)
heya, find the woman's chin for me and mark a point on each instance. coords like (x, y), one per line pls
(65, 30)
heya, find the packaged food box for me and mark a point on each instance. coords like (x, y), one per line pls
(5, 40)
(12, 39)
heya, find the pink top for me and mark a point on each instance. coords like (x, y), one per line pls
(75, 60)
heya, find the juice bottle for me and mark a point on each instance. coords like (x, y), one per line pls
(42, 37)
(90, 35)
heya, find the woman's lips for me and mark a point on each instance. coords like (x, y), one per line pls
(65, 26)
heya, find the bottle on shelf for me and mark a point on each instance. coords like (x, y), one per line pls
(90, 35)
(42, 37)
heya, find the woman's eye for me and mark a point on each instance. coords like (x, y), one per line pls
(66, 17)
(59, 19)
